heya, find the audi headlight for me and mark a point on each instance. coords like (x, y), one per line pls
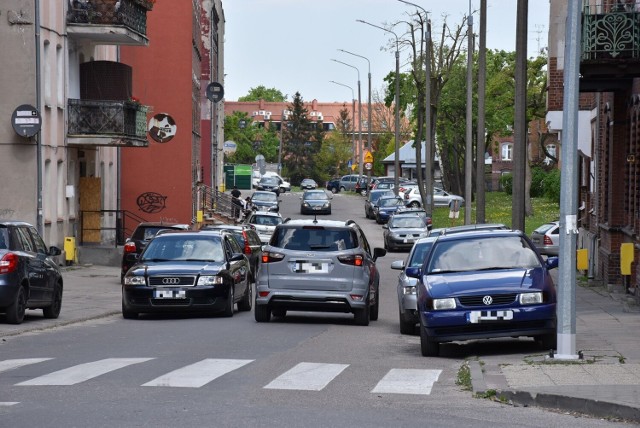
(135, 280)
(530, 298)
(442, 304)
(210, 280)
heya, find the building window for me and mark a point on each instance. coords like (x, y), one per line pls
(507, 151)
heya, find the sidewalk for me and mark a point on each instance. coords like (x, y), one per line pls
(604, 383)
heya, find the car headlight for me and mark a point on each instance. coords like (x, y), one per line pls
(135, 280)
(411, 289)
(210, 280)
(326, 205)
(305, 204)
(393, 235)
(424, 234)
(530, 298)
(442, 304)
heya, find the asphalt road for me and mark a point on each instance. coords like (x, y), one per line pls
(312, 370)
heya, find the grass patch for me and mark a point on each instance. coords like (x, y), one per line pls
(464, 377)
(498, 209)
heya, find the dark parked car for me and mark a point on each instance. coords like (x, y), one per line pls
(29, 277)
(269, 184)
(265, 201)
(485, 284)
(386, 207)
(249, 241)
(315, 202)
(372, 200)
(318, 265)
(308, 184)
(333, 185)
(144, 232)
(188, 271)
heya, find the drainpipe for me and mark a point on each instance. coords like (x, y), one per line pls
(39, 219)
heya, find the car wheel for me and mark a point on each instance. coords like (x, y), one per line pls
(415, 204)
(244, 305)
(53, 311)
(279, 313)
(228, 309)
(126, 313)
(363, 192)
(428, 347)
(342, 188)
(334, 190)
(361, 316)
(283, 190)
(262, 313)
(15, 312)
(405, 326)
(373, 313)
(547, 342)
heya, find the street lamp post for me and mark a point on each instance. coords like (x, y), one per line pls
(469, 134)
(360, 156)
(428, 183)
(353, 112)
(368, 106)
(396, 164)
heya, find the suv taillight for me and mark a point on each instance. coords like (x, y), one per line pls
(8, 263)
(247, 247)
(130, 247)
(355, 260)
(270, 257)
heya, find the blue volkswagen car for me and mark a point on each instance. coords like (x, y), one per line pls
(485, 284)
(387, 206)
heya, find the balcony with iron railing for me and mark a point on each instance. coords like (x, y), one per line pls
(109, 22)
(610, 54)
(107, 123)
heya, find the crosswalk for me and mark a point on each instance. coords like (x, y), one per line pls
(304, 376)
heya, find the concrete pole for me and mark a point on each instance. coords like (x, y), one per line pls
(520, 120)
(468, 156)
(480, 147)
(566, 310)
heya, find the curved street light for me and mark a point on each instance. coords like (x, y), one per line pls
(396, 164)
(360, 157)
(353, 112)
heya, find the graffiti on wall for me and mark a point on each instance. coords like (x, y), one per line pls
(151, 202)
(6, 213)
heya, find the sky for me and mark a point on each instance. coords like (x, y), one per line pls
(289, 45)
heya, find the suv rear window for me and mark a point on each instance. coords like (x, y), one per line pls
(314, 238)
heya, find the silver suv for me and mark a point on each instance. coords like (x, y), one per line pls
(318, 265)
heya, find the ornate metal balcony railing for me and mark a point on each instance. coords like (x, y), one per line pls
(127, 13)
(610, 36)
(115, 119)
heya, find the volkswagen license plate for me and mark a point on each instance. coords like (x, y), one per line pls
(169, 294)
(475, 317)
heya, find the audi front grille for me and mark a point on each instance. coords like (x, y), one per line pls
(172, 281)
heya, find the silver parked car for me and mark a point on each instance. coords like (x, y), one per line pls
(264, 223)
(403, 230)
(318, 265)
(315, 202)
(546, 238)
(407, 300)
(441, 198)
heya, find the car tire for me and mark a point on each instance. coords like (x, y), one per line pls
(342, 188)
(375, 309)
(428, 347)
(245, 304)
(228, 308)
(128, 314)
(361, 316)
(414, 204)
(53, 311)
(15, 312)
(406, 327)
(334, 190)
(363, 192)
(262, 313)
(283, 190)
(547, 342)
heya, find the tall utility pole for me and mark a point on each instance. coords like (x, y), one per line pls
(468, 156)
(396, 165)
(566, 310)
(480, 147)
(360, 154)
(353, 114)
(520, 119)
(428, 181)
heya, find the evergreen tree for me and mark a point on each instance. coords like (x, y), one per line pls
(302, 140)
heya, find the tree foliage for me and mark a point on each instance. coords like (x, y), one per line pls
(263, 93)
(250, 139)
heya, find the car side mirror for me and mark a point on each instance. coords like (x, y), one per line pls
(397, 264)
(413, 272)
(236, 257)
(552, 262)
(378, 252)
(131, 257)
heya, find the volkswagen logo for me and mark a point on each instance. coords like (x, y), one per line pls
(176, 281)
(487, 300)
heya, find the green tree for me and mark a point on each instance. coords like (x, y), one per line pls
(250, 139)
(262, 93)
(302, 140)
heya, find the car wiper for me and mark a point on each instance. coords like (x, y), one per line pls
(497, 268)
(155, 260)
(199, 260)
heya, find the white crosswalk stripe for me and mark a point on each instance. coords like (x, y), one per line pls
(83, 372)
(307, 377)
(8, 403)
(407, 381)
(198, 374)
(14, 364)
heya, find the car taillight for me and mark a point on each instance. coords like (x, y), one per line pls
(547, 240)
(406, 195)
(270, 257)
(429, 221)
(8, 263)
(355, 260)
(130, 247)
(247, 247)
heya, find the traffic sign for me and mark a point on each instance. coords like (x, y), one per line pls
(368, 157)
(26, 120)
(368, 166)
(215, 92)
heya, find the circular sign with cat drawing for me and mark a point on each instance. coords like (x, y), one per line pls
(162, 128)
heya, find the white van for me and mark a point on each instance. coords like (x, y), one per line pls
(255, 178)
(285, 186)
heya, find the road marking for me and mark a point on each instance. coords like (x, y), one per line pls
(83, 372)
(307, 377)
(407, 381)
(14, 364)
(198, 374)
(8, 403)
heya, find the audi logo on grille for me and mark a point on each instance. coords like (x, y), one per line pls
(487, 300)
(171, 281)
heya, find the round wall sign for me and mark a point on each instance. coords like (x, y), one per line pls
(26, 120)
(162, 128)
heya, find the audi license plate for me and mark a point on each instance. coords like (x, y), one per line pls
(476, 317)
(169, 294)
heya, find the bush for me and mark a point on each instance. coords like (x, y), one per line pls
(538, 176)
(551, 185)
(506, 183)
